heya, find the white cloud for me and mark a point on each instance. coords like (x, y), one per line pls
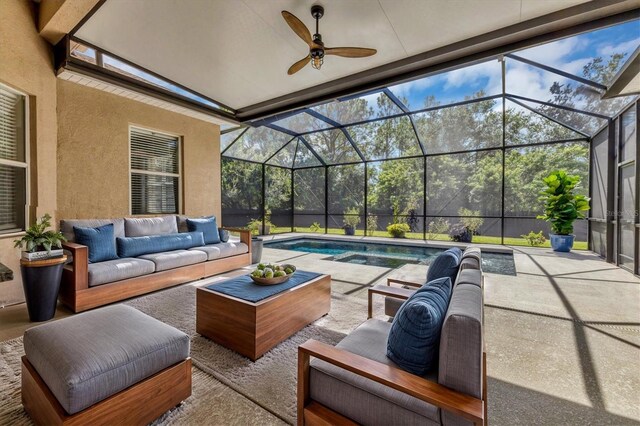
(624, 47)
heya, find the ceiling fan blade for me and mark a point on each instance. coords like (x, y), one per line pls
(298, 65)
(298, 27)
(350, 52)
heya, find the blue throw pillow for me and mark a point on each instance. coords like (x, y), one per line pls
(99, 240)
(445, 265)
(137, 246)
(414, 337)
(224, 235)
(207, 226)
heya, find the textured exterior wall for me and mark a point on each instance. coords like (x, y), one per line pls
(26, 64)
(93, 153)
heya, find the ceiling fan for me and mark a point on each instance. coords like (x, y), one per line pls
(317, 51)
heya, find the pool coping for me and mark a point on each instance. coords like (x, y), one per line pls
(383, 240)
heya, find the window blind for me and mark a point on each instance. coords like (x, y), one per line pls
(13, 166)
(155, 172)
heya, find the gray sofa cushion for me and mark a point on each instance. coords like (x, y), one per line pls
(391, 305)
(91, 356)
(220, 250)
(143, 226)
(118, 269)
(469, 263)
(469, 276)
(66, 226)
(175, 259)
(364, 400)
(460, 365)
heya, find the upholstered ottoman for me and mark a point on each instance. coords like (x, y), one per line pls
(114, 365)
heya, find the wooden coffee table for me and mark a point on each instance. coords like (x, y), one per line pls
(252, 329)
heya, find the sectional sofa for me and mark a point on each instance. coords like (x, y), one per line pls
(153, 253)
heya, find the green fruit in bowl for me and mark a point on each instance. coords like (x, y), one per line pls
(257, 273)
(279, 274)
(268, 273)
(288, 271)
(261, 266)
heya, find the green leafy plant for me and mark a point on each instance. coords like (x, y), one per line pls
(372, 223)
(255, 225)
(398, 230)
(562, 205)
(351, 218)
(534, 240)
(473, 224)
(437, 227)
(315, 227)
(38, 238)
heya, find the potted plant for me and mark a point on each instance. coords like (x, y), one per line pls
(41, 268)
(562, 208)
(398, 230)
(350, 221)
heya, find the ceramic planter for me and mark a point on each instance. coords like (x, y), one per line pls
(349, 230)
(41, 284)
(561, 243)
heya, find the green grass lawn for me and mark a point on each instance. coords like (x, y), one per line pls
(480, 239)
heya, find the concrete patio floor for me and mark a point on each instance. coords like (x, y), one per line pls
(562, 337)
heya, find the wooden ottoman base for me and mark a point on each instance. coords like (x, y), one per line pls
(137, 405)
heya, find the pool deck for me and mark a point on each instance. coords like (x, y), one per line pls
(562, 337)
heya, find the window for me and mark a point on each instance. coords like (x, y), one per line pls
(155, 172)
(13, 160)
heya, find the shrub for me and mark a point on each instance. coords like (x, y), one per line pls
(534, 239)
(460, 233)
(437, 227)
(398, 230)
(372, 223)
(351, 218)
(473, 224)
(315, 227)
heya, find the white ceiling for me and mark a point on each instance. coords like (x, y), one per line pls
(238, 51)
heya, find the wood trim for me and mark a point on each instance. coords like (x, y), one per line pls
(43, 262)
(137, 405)
(455, 402)
(402, 282)
(78, 296)
(388, 291)
(316, 414)
(125, 289)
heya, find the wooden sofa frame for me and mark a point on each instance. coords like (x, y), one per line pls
(138, 404)
(78, 296)
(312, 413)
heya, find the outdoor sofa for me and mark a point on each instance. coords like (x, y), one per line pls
(356, 382)
(152, 253)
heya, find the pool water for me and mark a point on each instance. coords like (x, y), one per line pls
(387, 255)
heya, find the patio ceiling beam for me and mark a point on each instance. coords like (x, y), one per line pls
(564, 107)
(582, 80)
(234, 141)
(523, 105)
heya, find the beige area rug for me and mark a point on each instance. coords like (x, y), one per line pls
(228, 388)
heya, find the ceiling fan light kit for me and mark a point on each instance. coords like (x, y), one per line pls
(317, 51)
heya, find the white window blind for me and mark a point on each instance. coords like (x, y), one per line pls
(155, 172)
(13, 161)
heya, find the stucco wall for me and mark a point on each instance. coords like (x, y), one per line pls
(26, 64)
(93, 153)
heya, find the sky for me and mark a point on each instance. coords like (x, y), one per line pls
(570, 55)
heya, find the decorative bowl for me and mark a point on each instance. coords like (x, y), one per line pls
(275, 280)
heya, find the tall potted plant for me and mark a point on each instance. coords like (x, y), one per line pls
(562, 208)
(41, 268)
(350, 221)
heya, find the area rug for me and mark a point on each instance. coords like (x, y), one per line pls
(264, 392)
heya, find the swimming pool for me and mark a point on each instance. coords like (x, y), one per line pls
(387, 255)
